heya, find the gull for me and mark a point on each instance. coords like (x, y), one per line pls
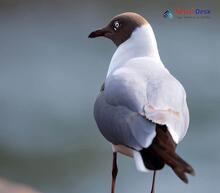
(141, 108)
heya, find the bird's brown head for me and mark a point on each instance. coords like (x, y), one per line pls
(120, 28)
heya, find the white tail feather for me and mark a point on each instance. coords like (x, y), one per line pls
(139, 162)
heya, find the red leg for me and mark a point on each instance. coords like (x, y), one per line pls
(153, 183)
(114, 171)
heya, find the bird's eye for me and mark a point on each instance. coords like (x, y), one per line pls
(116, 25)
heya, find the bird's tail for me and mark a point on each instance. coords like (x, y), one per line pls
(163, 151)
(179, 166)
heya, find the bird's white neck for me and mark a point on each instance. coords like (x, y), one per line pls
(142, 43)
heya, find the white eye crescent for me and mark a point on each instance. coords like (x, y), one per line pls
(116, 25)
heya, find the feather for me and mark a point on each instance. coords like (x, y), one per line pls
(162, 151)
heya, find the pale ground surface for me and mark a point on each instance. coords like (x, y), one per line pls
(10, 187)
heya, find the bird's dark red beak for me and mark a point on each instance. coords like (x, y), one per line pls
(99, 33)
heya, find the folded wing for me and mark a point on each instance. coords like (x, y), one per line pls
(120, 125)
(166, 104)
(145, 86)
(137, 96)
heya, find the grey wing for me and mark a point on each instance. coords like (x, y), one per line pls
(120, 125)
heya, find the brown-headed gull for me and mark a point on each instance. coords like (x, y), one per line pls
(141, 108)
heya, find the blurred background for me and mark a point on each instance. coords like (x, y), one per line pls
(50, 75)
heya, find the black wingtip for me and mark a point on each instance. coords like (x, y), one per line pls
(91, 35)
